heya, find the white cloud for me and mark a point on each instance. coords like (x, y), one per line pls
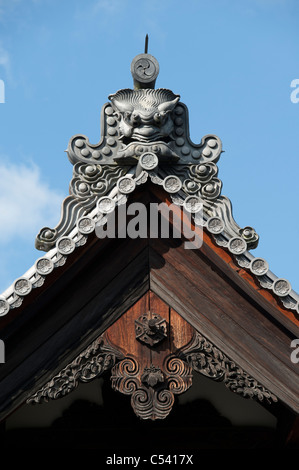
(108, 6)
(4, 57)
(4, 60)
(26, 203)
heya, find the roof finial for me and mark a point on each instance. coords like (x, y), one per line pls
(146, 44)
(145, 69)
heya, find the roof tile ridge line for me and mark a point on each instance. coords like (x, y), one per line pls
(220, 237)
(33, 278)
(279, 286)
(245, 259)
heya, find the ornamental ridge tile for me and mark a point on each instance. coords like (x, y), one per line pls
(145, 136)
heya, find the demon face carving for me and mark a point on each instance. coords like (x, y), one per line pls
(144, 115)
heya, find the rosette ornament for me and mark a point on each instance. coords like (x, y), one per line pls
(250, 236)
(45, 239)
(88, 180)
(202, 180)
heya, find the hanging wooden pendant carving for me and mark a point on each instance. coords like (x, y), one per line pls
(150, 373)
(152, 390)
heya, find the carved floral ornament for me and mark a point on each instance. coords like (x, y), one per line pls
(145, 136)
(153, 389)
(150, 329)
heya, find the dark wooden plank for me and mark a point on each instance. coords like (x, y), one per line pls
(227, 298)
(43, 318)
(224, 263)
(247, 282)
(111, 255)
(161, 350)
(121, 334)
(183, 331)
(46, 353)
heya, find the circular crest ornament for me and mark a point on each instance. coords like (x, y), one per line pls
(172, 184)
(126, 185)
(215, 225)
(152, 376)
(86, 225)
(4, 307)
(65, 245)
(193, 204)
(148, 161)
(281, 287)
(22, 286)
(237, 246)
(259, 266)
(44, 266)
(106, 205)
(145, 69)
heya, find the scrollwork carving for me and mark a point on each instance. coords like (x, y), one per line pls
(91, 363)
(152, 388)
(208, 360)
(152, 391)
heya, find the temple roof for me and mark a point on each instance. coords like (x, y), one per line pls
(84, 282)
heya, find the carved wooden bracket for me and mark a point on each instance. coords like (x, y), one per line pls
(152, 391)
(90, 364)
(208, 360)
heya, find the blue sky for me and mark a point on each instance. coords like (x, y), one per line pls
(231, 61)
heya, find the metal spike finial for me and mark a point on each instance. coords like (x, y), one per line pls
(146, 44)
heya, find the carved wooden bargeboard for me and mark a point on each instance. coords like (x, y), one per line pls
(155, 367)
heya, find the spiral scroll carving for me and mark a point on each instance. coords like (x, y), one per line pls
(152, 392)
(180, 375)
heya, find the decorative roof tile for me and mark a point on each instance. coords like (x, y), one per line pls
(145, 136)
